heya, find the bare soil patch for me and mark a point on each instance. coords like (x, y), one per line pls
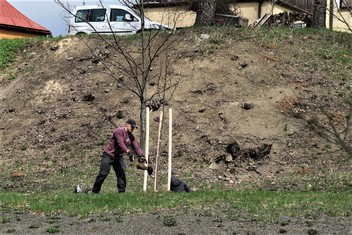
(59, 111)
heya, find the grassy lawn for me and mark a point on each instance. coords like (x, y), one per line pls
(264, 205)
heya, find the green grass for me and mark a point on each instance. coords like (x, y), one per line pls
(259, 203)
(9, 49)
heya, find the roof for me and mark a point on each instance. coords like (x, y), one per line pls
(301, 5)
(11, 18)
(297, 5)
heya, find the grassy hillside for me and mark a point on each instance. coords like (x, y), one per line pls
(296, 83)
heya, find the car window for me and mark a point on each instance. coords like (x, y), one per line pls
(120, 15)
(97, 15)
(90, 15)
(81, 16)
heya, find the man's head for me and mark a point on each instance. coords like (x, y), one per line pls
(131, 125)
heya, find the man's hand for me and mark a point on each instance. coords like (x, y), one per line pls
(130, 156)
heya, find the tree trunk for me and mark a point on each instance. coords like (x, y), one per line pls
(319, 14)
(142, 126)
(206, 12)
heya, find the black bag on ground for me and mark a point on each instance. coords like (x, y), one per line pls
(178, 185)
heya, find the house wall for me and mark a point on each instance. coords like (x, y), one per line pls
(175, 17)
(338, 25)
(249, 10)
(181, 16)
(4, 33)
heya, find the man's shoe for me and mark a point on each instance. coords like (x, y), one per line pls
(90, 191)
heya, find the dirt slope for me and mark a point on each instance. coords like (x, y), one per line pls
(248, 89)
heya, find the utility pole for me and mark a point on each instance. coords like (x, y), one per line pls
(331, 15)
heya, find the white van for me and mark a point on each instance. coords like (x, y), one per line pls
(108, 19)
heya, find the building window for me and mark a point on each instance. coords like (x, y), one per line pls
(346, 4)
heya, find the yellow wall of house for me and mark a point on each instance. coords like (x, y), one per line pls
(13, 34)
(182, 17)
(338, 25)
(250, 10)
(246, 10)
(174, 17)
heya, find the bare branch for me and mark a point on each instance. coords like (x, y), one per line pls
(136, 55)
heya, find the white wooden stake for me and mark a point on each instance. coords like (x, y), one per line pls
(170, 151)
(157, 153)
(146, 152)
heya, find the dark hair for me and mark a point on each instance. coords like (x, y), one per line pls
(132, 122)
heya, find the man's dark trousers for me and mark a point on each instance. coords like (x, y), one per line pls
(119, 167)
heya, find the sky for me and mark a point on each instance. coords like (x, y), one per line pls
(49, 14)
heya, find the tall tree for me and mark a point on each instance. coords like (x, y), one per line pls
(319, 14)
(205, 12)
(223, 7)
